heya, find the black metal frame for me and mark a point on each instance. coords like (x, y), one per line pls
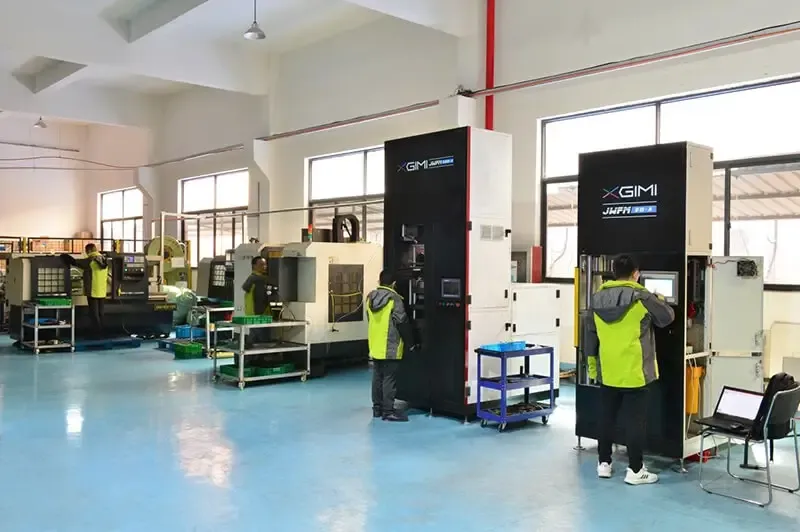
(727, 166)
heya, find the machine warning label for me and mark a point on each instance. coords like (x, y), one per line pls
(428, 164)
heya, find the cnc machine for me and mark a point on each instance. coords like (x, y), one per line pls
(655, 204)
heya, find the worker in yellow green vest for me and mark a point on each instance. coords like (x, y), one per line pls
(622, 359)
(95, 286)
(256, 297)
(389, 333)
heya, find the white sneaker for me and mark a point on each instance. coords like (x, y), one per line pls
(642, 477)
(604, 470)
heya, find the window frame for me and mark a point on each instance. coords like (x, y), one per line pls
(727, 166)
(342, 201)
(138, 243)
(215, 213)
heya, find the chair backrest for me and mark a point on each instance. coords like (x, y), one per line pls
(781, 382)
(784, 407)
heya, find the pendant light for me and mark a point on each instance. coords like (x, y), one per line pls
(254, 32)
(40, 124)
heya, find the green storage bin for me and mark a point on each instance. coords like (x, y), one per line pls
(186, 350)
(252, 320)
(233, 371)
(55, 302)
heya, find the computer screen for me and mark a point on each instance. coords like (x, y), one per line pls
(663, 287)
(738, 403)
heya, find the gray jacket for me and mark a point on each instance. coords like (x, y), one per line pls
(619, 331)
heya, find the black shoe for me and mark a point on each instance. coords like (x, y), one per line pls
(376, 412)
(395, 416)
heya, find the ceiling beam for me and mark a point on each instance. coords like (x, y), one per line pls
(456, 17)
(156, 16)
(79, 37)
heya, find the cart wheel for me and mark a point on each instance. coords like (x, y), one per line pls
(303, 378)
(35, 351)
(215, 378)
(71, 349)
(544, 420)
(484, 422)
(241, 386)
(501, 427)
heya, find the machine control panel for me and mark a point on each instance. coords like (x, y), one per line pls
(664, 284)
(450, 295)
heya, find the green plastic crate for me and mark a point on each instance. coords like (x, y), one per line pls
(233, 371)
(55, 302)
(275, 370)
(252, 320)
(186, 350)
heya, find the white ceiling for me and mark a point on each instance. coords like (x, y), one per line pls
(54, 53)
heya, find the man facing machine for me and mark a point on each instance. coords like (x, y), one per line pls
(95, 284)
(622, 358)
(389, 332)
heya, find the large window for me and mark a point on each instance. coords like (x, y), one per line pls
(353, 177)
(122, 218)
(756, 205)
(220, 201)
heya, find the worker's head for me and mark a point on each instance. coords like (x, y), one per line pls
(90, 248)
(387, 279)
(259, 264)
(625, 268)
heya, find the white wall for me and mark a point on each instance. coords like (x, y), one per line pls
(35, 201)
(381, 66)
(117, 146)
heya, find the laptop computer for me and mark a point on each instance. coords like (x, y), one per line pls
(735, 411)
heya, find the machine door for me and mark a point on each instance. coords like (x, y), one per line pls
(736, 305)
(534, 308)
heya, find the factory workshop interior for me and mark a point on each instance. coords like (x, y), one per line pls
(198, 199)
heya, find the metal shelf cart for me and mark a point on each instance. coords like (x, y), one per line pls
(527, 409)
(213, 330)
(31, 308)
(264, 349)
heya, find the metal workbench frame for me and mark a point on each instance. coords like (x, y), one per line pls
(282, 347)
(33, 308)
(212, 328)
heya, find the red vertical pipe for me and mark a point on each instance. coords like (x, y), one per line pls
(490, 53)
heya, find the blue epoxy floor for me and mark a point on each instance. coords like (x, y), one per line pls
(134, 441)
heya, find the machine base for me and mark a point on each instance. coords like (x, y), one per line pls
(337, 354)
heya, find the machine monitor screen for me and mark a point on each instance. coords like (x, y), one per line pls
(451, 288)
(130, 258)
(664, 284)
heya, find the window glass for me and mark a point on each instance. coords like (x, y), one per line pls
(111, 205)
(374, 224)
(198, 194)
(562, 230)
(205, 241)
(737, 125)
(765, 220)
(566, 139)
(224, 239)
(139, 244)
(133, 203)
(233, 190)
(375, 172)
(337, 176)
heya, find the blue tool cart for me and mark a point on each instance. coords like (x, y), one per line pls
(507, 413)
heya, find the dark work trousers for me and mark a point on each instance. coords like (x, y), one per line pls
(384, 385)
(96, 312)
(631, 405)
